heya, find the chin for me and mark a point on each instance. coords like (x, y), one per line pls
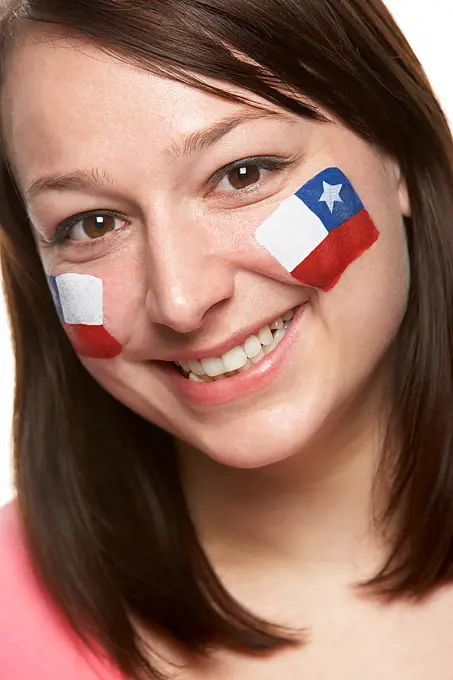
(251, 442)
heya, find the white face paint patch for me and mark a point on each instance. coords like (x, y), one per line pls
(80, 298)
(288, 242)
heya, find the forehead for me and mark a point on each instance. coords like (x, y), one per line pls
(60, 93)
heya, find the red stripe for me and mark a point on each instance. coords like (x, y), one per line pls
(324, 266)
(92, 341)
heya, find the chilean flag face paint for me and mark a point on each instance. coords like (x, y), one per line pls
(316, 233)
(79, 302)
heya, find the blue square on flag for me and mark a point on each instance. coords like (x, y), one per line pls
(331, 196)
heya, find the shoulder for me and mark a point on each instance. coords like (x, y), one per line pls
(35, 641)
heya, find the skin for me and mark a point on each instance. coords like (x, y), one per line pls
(278, 482)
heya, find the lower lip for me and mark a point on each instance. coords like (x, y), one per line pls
(242, 384)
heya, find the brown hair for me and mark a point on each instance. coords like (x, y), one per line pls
(103, 510)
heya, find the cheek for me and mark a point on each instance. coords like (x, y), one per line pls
(364, 311)
(83, 302)
(319, 231)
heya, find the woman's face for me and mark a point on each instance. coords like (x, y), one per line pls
(171, 266)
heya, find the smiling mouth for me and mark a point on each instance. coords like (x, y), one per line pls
(240, 358)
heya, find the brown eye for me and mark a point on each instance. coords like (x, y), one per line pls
(243, 176)
(94, 226)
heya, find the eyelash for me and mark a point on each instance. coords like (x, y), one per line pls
(270, 163)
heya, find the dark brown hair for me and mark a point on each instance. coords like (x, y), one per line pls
(103, 510)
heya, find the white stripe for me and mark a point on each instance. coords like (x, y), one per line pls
(291, 233)
(81, 298)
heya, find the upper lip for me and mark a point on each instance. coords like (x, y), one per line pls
(233, 341)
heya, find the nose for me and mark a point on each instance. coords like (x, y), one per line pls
(187, 277)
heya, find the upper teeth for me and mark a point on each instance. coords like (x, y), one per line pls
(242, 357)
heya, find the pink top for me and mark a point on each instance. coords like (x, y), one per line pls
(35, 642)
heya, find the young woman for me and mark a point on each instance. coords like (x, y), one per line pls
(227, 249)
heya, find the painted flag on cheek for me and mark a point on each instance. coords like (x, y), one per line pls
(319, 231)
(79, 302)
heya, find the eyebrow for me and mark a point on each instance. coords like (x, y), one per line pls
(188, 145)
(73, 181)
(196, 141)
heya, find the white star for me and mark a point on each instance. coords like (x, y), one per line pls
(331, 194)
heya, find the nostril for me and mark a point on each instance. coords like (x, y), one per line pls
(180, 321)
(183, 300)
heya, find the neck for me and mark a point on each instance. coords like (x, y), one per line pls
(313, 512)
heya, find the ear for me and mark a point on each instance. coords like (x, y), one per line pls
(403, 194)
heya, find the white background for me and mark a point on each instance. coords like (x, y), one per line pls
(427, 25)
